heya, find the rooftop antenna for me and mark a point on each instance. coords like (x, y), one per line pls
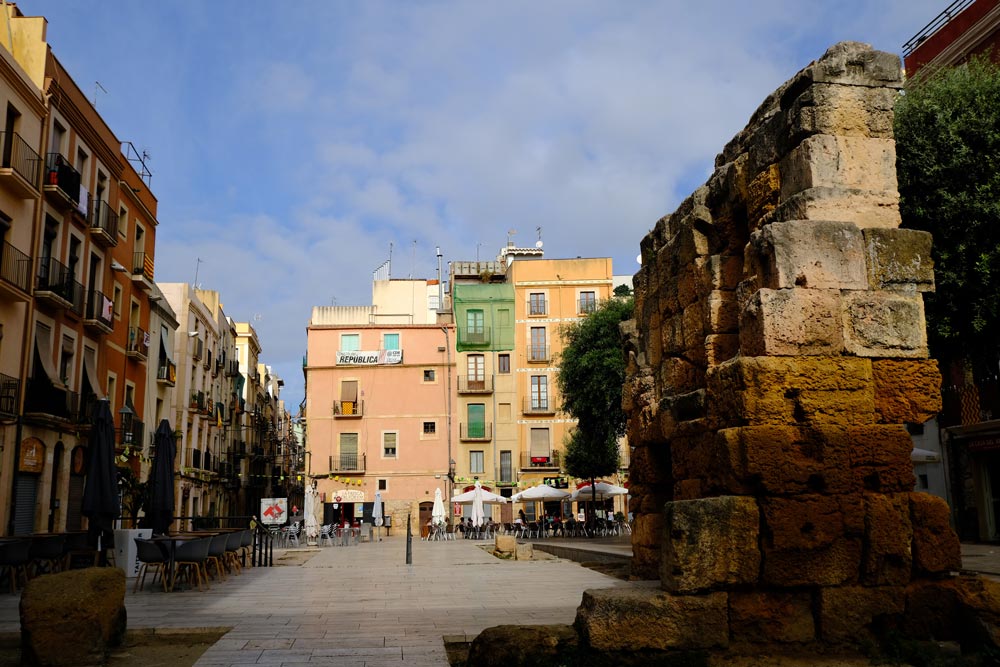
(510, 233)
(97, 86)
(538, 230)
(477, 251)
(197, 266)
(257, 317)
(413, 265)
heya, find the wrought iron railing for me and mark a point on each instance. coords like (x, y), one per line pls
(348, 408)
(10, 390)
(76, 300)
(105, 218)
(474, 336)
(43, 397)
(475, 384)
(15, 267)
(54, 276)
(142, 264)
(21, 157)
(138, 342)
(475, 431)
(550, 460)
(99, 308)
(538, 353)
(348, 462)
(167, 372)
(58, 172)
(938, 22)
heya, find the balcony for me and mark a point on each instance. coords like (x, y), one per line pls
(130, 437)
(208, 359)
(475, 385)
(142, 270)
(53, 285)
(198, 349)
(166, 373)
(586, 306)
(21, 166)
(347, 462)
(76, 301)
(548, 462)
(10, 390)
(537, 307)
(104, 225)
(475, 432)
(234, 368)
(46, 400)
(348, 409)
(538, 354)
(99, 314)
(138, 344)
(83, 407)
(61, 183)
(15, 272)
(539, 406)
(476, 336)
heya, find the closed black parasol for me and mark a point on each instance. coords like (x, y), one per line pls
(100, 493)
(161, 480)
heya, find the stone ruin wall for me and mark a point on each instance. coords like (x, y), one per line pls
(778, 349)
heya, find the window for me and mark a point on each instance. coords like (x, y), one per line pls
(112, 386)
(588, 302)
(350, 342)
(537, 351)
(389, 444)
(430, 428)
(390, 341)
(476, 367)
(476, 462)
(477, 420)
(383, 484)
(349, 451)
(539, 446)
(536, 303)
(428, 375)
(122, 221)
(66, 360)
(433, 302)
(506, 469)
(475, 321)
(348, 404)
(539, 392)
(503, 317)
(117, 299)
(503, 363)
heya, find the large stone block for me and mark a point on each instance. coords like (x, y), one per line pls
(791, 322)
(888, 535)
(880, 457)
(788, 390)
(727, 527)
(817, 254)
(884, 324)
(850, 111)
(823, 160)
(679, 376)
(637, 619)
(73, 618)
(847, 614)
(906, 391)
(722, 312)
(812, 540)
(860, 207)
(647, 530)
(766, 617)
(763, 193)
(855, 64)
(964, 609)
(721, 347)
(899, 259)
(719, 272)
(523, 646)
(785, 460)
(936, 549)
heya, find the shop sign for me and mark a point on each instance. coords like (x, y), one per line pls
(369, 358)
(350, 496)
(273, 510)
(985, 444)
(32, 456)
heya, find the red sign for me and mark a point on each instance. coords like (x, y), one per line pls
(337, 499)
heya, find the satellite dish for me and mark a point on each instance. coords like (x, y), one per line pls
(538, 243)
(638, 259)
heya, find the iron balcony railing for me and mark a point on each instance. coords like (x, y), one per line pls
(348, 408)
(10, 390)
(99, 309)
(15, 267)
(475, 431)
(54, 276)
(84, 408)
(347, 462)
(76, 301)
(142, 265)
(138, 343)
(58, 172)
(475, 384)
(131, 437)
(538, 307)
(540, 405)
(21, 157)
(586, 306)
(549, 460)
(43, 397)
(938, 22)
(166, 372)
(105, 219)
(538, 353)
(474, 336)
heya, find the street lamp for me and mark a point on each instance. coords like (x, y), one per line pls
(125, 417)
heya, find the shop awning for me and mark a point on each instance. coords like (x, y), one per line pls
(90, 368)
(43, 346)
(924, 456)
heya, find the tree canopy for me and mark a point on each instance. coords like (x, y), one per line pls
(948, 164)
(591, 376)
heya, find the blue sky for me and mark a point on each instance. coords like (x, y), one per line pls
(292, 142)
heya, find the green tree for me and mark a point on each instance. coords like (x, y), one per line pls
(591, 377)
(948, 164)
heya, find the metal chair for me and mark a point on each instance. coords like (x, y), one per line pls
(324, 534)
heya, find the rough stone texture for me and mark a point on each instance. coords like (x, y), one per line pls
(789, 322)
(888, 534)
(936, 549)
(73, 618)
(899, 259)
(523, 645)
(771, 617)
(964, 609)
(847, 613)
(505, 544)
(524, 552)
(727, 527)
(813, 254)
(639, 619)
(885, 324)
(906, 391)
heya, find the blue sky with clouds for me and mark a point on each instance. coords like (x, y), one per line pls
(292, 142)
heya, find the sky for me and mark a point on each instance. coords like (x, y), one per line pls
(294, 145)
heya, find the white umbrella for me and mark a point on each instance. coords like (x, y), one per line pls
(539, 492)
(377, 514)
(478, 515)
(438, 513)
(604, 490)
(309, 513)
(487, 496)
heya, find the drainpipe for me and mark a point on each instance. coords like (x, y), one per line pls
(451, 481)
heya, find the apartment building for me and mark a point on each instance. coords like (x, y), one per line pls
(81, 328)
(379, 403)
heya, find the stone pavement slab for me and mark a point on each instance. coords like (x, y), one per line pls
(362, 605)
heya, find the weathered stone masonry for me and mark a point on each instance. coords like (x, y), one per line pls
(778, 350)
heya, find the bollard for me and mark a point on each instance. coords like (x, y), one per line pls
(409, 541)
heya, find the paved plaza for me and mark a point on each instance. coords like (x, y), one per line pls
(362, 605)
